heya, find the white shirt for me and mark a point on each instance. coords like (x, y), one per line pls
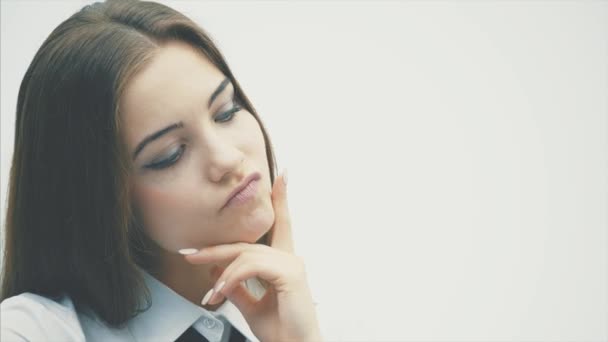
(31, 317)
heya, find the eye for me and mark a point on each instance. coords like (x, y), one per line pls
(167, 162)
(229, 114)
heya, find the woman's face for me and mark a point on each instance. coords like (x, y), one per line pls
(184, 175)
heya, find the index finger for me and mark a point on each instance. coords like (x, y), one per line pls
(281, 236)
(219, 254)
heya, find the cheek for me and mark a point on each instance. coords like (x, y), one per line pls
(169, 215)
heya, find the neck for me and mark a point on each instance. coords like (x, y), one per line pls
(188, 280)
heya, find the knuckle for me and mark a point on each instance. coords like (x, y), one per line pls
(248, 254)
(259, 247)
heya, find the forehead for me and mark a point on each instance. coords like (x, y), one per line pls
(178, 80)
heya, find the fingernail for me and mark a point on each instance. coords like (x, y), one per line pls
(285, 176)
(219, 286)
(188, 251)
(207, 297)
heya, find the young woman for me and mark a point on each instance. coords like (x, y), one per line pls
(143, 203)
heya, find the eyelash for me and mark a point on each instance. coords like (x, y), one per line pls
(168, 162)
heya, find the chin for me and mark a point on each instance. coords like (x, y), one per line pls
(253, 226)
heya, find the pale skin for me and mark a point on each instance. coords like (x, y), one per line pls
(181, 182)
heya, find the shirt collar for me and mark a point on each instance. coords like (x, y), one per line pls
(171, 314)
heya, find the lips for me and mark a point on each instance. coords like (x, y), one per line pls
(243, 185)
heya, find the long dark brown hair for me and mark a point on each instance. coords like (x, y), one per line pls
(70, 225)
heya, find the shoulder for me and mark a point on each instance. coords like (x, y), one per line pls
(32, 317)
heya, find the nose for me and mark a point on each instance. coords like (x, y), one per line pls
(224, 159)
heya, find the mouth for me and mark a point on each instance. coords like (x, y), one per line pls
(244, 191)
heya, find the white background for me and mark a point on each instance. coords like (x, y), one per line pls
(447, 160)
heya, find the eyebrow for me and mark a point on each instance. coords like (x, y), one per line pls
(218, 91)
(179, 124)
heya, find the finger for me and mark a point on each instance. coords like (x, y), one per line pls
(222, 254)
(262, 267)
(242, 299)
(219, 290)
(281, 236)
(216, 272)
(216, 298)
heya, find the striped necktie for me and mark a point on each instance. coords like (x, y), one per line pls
(192, 335)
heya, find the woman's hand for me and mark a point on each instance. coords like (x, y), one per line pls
(286, 312)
